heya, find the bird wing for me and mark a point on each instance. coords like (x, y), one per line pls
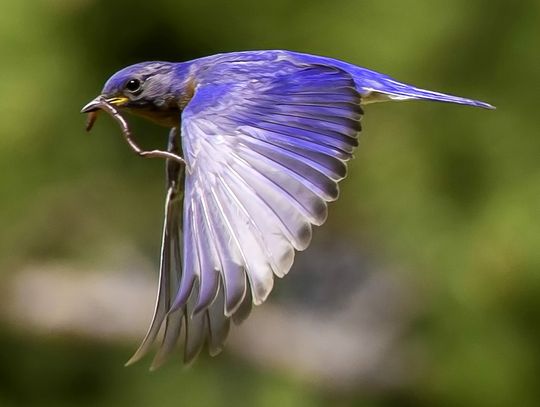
(264, 151)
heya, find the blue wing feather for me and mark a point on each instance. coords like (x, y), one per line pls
(301, 157)
(264, 151)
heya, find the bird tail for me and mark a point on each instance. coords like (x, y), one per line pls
(374, 95)
(392, 90)
(376, 87)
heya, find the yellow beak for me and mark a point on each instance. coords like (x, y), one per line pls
(118, 101)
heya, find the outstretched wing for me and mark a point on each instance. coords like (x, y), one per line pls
(264, 151)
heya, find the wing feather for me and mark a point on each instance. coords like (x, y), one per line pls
(329, 166)
(264, 152)
(196, 326)
(270, 196)
(173, 321)
(300, 169)
(208, 262)
(233, 272)
(254, 257)
(265, 226)
(190, 268)
(218, 325)
(296, 141)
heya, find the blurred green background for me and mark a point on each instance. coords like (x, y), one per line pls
(448, 196)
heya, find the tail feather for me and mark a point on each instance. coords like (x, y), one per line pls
(377, 87)
(370, 95)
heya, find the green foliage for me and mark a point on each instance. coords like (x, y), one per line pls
(450, 193)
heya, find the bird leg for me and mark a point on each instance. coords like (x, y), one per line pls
(126, 132)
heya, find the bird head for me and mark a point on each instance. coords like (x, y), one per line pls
(144, 89)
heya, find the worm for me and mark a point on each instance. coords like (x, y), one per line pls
(126, 132)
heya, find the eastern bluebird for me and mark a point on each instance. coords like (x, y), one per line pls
(258, 143)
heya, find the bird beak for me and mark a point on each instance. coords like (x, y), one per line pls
(95, 104)
(92, 106)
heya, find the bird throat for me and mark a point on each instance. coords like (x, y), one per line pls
(169, 117)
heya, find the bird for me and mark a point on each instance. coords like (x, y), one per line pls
(264, 138)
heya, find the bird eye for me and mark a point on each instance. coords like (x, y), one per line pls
(133, 85)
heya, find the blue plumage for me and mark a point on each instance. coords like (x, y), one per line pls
(224, 70)
(265, 136)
